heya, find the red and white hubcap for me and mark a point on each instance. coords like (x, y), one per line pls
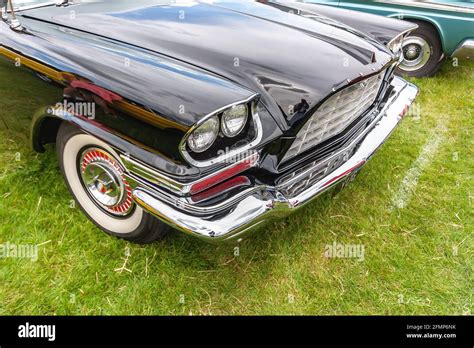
(105, 182)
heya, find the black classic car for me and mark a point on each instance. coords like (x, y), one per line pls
(209, 117)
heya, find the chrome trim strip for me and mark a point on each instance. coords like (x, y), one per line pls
(186, 203)
(234, 217)
(429, 5)
(142, 171)
(151, 175)
(231, 154)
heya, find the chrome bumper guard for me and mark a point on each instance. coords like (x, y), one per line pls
(465, 50)
(230, 220)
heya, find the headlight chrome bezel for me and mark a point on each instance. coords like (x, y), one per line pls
(244, 111)
(213, 124)
(396, 44)
(253, 124)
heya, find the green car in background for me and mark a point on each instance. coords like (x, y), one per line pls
(446, 29)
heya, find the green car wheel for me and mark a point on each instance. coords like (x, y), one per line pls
(422, 52)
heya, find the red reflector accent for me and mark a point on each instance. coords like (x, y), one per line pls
(224, 175)
(223, 187)
(344, 174)
(405, 111)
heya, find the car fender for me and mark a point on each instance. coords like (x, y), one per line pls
(442, 34)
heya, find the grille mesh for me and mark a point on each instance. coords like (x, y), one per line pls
(301, 179)
(336, 114)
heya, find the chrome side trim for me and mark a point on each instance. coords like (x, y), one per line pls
(465, 50)
(233, 153)
(186, 204)
(429, 5)
(152, 175)
(237, 216)
(140, 170)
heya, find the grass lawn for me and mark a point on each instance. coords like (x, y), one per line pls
(411, 208)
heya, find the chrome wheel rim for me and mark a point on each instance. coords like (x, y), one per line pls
(416, 53)
(104, 181)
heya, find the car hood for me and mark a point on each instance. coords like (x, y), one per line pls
(291, 61)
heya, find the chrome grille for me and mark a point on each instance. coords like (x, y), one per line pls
(336, 114)
(301, 179)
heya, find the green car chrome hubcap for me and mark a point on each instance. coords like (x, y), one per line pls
(416, 53)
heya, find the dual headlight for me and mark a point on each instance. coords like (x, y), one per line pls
(231, 123)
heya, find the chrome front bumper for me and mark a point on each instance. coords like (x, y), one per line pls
(239, 214)
(465, 50)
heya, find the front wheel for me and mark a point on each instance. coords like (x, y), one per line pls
(422, 52)
(96, 179)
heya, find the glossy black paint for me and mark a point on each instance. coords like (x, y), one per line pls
(382, 29)
(170, 66)
(254, 45)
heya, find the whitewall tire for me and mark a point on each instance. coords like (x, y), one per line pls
(95, 178)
